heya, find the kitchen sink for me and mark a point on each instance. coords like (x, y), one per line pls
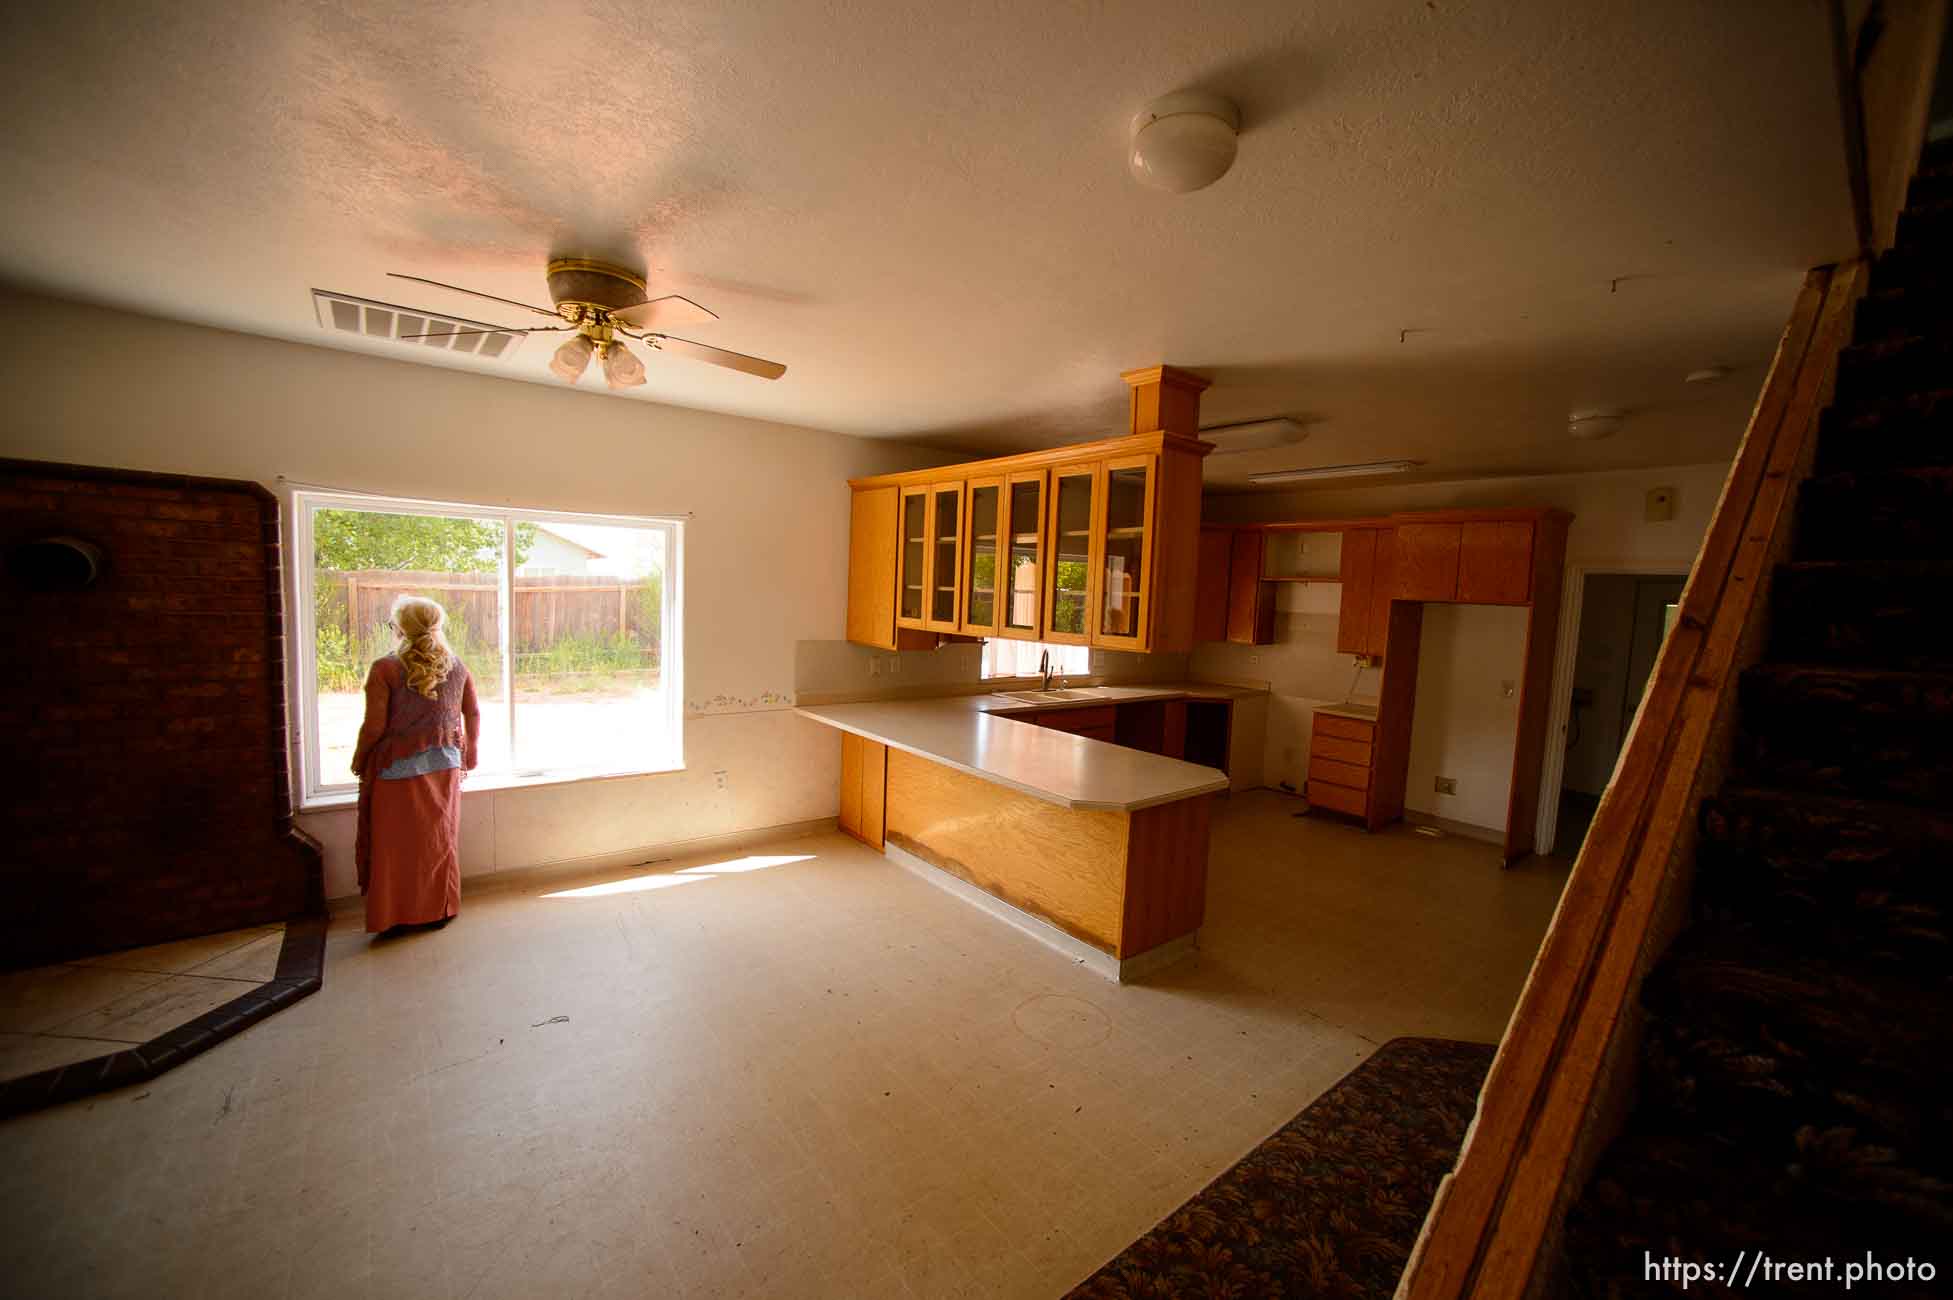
(1046, 697)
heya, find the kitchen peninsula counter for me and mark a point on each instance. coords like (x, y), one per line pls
(1094, 847)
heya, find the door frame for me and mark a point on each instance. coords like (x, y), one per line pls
(1574, 595)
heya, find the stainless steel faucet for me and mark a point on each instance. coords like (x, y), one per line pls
(1044, 670)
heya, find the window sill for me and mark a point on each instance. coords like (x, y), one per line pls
(332, 800)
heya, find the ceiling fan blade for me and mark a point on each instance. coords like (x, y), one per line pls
(446, 334)
(716, 356)
(418, 279)
(672, 309)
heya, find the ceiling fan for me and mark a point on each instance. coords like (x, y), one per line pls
(600, 301)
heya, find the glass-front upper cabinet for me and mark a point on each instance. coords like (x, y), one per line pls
(982, 563)
(1124, 548)
(913, 567)
(1068, 586)
(1024, 554)
(945, 547)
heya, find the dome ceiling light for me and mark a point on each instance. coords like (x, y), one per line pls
(1588, 425)
(1183, 142)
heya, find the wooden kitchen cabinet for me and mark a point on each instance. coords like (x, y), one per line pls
(1495, 562)
(1068, 594)
(1427, 561)
(1250, 601)
(1358, 572)
(1341, 762)
(944, 596)
(864, 786)
(1096, 544)
(1024, 550)
(874, 564)
(981, 559)
(912, 568)
(1123, 541)
(1383, 581)
(1211, 595)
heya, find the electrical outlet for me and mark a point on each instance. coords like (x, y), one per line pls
(874, 665)
(894, 665)
(1447, 785)
(719, 780)
(1506, 689)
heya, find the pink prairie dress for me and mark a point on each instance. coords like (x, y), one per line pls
(408, 844)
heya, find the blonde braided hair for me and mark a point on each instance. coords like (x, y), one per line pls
(424, 651)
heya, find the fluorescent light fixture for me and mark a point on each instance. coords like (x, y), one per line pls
(1253, 435)
(1334, 471)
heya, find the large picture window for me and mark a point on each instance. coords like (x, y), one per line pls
(569, 624)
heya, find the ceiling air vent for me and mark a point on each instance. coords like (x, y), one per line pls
(385, 320)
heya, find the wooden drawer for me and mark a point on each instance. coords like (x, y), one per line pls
(1338, 799)
(1089, 719)
(1107, 734)
(1328, 724)
(1341, 751)
(1348, 775)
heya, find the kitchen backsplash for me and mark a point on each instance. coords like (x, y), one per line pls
(829, 671)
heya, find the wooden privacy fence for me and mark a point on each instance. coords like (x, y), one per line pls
(546, 609)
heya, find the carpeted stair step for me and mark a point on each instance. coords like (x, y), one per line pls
(1876, 514)
(1912, 431)
(1931, 186)
(1684, 1197)
(1854, 733)
(1926, 225)
(1753, 1039)
(1828, 874)
(1907, 432)
(1902, 312)
(1911, 269)
(1885, 368)
(1896, 614)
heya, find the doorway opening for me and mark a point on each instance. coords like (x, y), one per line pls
(1623, 619)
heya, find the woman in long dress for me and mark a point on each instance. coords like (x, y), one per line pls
(418, 738)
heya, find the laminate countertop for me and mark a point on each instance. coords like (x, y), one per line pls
(976, 735)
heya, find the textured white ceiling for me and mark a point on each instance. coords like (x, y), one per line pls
(923, 209)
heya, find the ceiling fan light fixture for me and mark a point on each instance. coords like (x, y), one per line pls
(572, 359)
(622, 369)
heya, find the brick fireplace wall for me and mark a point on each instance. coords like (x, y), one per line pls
(146, 773)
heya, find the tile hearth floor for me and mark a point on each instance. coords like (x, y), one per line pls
(790, 1070)
(72, 1011)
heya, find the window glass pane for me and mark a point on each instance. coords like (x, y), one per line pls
(587, 636)
(1072, 547)
(1026, 527)
(1125, 551)
(1006, 658)
(980, 601)
(942, 579)
(362, 560)
(913, 542)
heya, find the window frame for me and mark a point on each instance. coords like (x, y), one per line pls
(315, 791)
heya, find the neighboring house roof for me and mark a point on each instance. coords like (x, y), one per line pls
(569, 541)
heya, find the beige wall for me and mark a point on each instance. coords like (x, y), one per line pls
(766, 547)
(1459, 727)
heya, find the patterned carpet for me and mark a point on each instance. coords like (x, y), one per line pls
(1331, 1204)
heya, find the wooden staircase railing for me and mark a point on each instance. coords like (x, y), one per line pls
(1558, 1085)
